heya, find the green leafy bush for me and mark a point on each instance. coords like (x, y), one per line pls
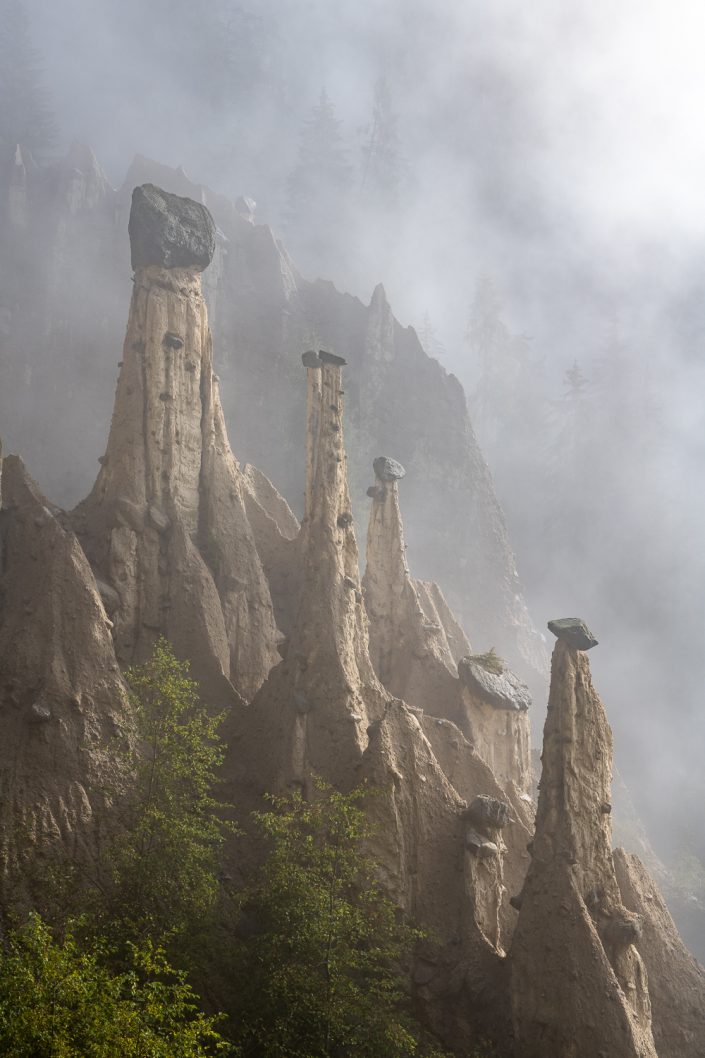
(59, 1001)
(159, 875)
(317, 962)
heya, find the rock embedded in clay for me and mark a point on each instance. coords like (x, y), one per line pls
(169, 231)
(493, 682)
(488, 811)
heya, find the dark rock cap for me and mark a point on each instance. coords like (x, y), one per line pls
(493, 683)
(331, 358)
(388, 469)
(310, 358)
(170, 231)
(574, 632)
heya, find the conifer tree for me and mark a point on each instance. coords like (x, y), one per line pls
(25, 115)
(320, 184)
(381, 161)
(429, 339)
(493, 350)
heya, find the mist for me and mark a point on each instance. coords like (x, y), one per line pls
(552, 148)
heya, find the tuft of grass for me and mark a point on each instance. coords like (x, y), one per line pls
(490, 661)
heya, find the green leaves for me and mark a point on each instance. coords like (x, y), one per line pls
(159, 877)
(317, 969)
(58, 1001)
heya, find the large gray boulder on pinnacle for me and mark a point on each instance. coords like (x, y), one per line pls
(169, 230)
(388, 469)
(574, 632)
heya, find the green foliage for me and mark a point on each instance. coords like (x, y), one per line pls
(317, 970)
(57, 1001)
(160, 876)
(25, 117)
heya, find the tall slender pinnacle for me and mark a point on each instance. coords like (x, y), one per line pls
(165, 524)
(313, 713)
(408, 642)
(579, 986)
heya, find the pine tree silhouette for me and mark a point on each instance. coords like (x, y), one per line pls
(381, 160)
(25, 115)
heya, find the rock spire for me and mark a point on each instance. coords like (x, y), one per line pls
(676, 979)
(422, 655)
(165, 525)
(579, 986)
(312, 715)
(409, 644)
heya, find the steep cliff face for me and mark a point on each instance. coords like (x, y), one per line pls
(264, 314)
(579, 986)
(676, 979)
(165, 524)
(60, 240)
(63, 704)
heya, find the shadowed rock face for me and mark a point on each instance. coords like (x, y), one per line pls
(579, 986)
(165, 525)
(676, 979)
(63, 703)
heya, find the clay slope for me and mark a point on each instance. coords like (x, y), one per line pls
(165, 525)
(579, 987)
(676, 979)
(63, 704)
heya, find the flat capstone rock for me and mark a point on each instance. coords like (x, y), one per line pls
(574, 632)
(494, 683)
(331, 358)
(169, 231)
(388, 469)
(310, 358)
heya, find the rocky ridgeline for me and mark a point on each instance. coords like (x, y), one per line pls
(325, 674)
